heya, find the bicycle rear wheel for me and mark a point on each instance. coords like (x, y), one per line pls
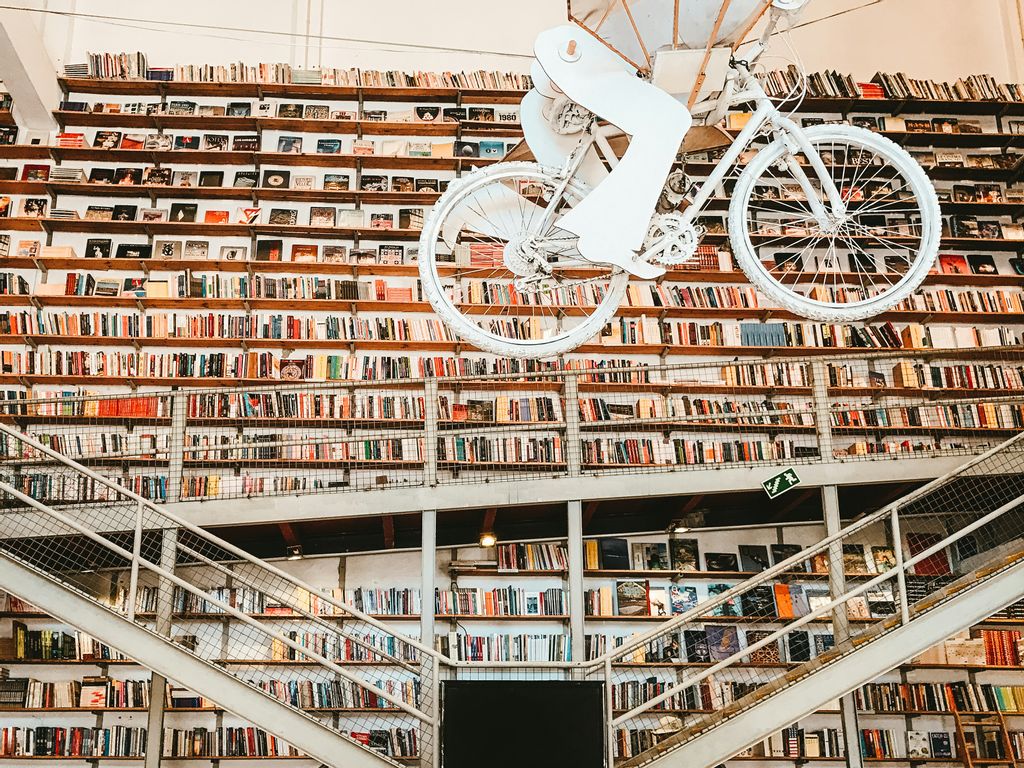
(868, 258)
(500, 273)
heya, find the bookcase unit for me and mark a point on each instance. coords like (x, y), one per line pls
(924, 696)
(195, 302)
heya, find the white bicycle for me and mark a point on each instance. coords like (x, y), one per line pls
(831, 222)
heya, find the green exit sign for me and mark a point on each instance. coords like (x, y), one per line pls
(778, 485)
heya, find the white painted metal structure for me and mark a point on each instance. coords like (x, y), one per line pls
(991, 580)
(545, 221)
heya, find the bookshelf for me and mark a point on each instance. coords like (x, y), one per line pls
(925, 695)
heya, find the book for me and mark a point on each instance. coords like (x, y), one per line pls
(782, 552)
(685, 554)
(658, 600)
(731, 607)
(854, 561)
(721, 561)
(649, 556)
(614, 554)
(723, 641)
(884, 559)
(753, 558)
(918, 744)
(769, 654)
(695, 644)
(632, 598)
(799, 646)
(682, 598)
(941, 745)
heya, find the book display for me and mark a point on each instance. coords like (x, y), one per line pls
(239, 225)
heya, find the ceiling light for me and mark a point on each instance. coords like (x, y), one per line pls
(488, 539)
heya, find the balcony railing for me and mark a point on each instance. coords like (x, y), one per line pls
(317, 437)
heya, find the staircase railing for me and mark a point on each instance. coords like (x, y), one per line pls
(154, 568)
(966, 525)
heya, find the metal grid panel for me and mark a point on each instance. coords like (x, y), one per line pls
(601, 419)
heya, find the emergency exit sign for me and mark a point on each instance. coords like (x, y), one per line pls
(778, 485)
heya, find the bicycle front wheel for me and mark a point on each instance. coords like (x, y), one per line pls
(502, 275)
(861, 261)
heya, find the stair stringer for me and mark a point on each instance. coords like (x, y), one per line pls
(724, 739)
(162, 655)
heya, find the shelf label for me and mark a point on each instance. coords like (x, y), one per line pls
(778, 485)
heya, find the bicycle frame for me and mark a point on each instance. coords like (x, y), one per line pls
(765, 119)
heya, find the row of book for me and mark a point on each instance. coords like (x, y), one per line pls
(832, 84)
(962, 416)
(224, 742)
(350, 646)
(135, 66)
(255, 742)
(501, 450)
(290, 110)
(60, 487)
(532, 557)
(296, 448)
(213, 486)
(718, 411)
(679, 452)
(505, 647)
(328, 405)
(158, 326)
(939, 697)
(502, 601)
(247, 144)
(88, 693)
(82, 445)
(307, 694)
(45, 644)
(57, 741)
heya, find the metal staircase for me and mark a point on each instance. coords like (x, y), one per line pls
(956, 547)
(126, 571)
(123, 569)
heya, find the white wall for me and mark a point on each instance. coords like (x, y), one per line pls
(925, 38)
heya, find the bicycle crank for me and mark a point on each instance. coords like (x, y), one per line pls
(671, 240)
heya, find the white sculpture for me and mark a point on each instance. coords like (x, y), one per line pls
(556, 240)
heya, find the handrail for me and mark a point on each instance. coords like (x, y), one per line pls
(241, 554)
(893, 573)
(740, 419)
(226, 607)
(701, 610)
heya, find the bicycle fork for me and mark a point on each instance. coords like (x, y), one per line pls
(796, 143)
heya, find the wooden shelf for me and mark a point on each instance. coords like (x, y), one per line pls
(261, 159)
(411, 270)
(244, 194)
(261, 90)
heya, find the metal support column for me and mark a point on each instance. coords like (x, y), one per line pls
(428, 569)
(176, 449)
(574, 548)
(573, 445)
(430, 419)
(164, 616)
(840, 620)
(822, 413)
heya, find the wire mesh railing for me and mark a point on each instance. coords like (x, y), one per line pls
(241, 615)
(746, 641)
(335, 436)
